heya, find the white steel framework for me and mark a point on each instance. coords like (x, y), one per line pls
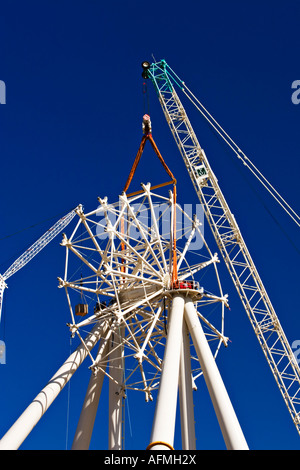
(157, 332)
(128, 286)
(119, 265)
(241, 267)
(16, 435)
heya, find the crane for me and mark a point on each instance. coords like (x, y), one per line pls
(33, 250)
(129, 279)
(226, 231)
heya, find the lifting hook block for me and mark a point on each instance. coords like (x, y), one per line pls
(146, 125)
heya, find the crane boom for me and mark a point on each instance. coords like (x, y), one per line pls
(33, 250)
(241, 267)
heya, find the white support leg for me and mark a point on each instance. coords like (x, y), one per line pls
(186, 394)
(33, 413)
(115, 392)
(165, 413)
(230, 427)
(87, 417)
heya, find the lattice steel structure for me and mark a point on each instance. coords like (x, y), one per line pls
(155, 335)
(225, 229)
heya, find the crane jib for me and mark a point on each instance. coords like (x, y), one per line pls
(232, 246)
(33, 250)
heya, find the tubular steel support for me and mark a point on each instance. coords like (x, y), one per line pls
(162, 436)
(33, 413)
(115, 392)
(230, 427)
(87, 417)
(186, 394)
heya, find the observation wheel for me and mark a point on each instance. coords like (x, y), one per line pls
(142, 284)
(118, 274)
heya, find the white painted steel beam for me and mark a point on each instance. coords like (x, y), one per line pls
(186, 394)
(16, 435)
(230, 427)
(162, 436)
(116, 370)
(87, 417)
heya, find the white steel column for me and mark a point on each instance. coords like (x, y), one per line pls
(165, 413)
(33, 413)
(115, 393)
(87, 417)
(186, 394)
(230, 427)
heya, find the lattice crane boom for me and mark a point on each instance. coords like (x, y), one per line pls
(238, 260)
(33, 250)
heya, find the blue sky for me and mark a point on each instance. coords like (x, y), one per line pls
(70, 129)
